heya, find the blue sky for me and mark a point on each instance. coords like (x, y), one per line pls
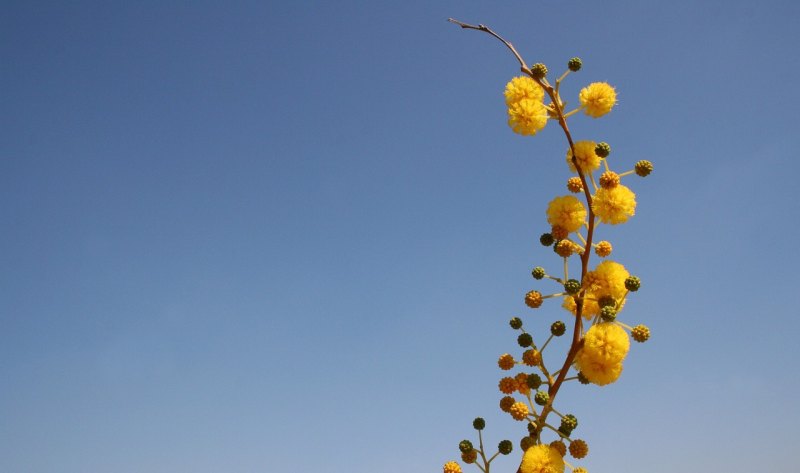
(268, 237)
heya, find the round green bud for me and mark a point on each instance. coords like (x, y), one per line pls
(465, 446)
(541, 398)
(572, 286)
(546, 239)
(505, 447)
(570, 421)
(565, 430)
(602, 149)
(632, 283)
(607, 301)
(640, 333)
(558, 328)
(608, 313)
(575, 64)
(539, 70)
(515, 323)
(534, 381)
(582, 378)
(526, 442)
(538, 272)
(479, 423)
(525, 340)
(643, 167)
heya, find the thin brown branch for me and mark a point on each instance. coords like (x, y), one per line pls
(485, 29)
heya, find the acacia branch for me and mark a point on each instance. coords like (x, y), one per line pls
(485, 29)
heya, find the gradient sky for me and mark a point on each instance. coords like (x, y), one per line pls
(288, 236)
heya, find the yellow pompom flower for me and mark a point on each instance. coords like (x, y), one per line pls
(607, 279)
(587, 159)
(522, 87)
(605, 347)
(542, 459)
(597, 99)
(614, 205)
(452, 467)
(567, 212)
(527, 116)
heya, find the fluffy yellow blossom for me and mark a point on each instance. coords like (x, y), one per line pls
(519, 411)
(614, 205)
(587, 159)
(607, 279)
(567, 212)
(523, 87)
(527, 116)
(452, 467)
(597, 99)
(542, 459)
(605, 347)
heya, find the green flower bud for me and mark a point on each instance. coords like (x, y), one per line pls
(570, 421)
(632, 283)
(643, 167)
(546, 239)
(572, 286)
(479, 423)
(640, 333)
(608, 313)
(607, 301)
(575, 64)
(538, 272)
(515, 323)
(565, 430)
(602, 149)
(541, 398)
(558, 328)
(534, 381)
(539, 70)
(465, 446)
(525, 340)
(505, 447)
(582, 378)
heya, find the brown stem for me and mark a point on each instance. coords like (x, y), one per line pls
(483, 28)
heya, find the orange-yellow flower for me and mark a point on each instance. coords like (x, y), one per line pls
(542, 459)
(567, 212)
(614, 205)
(597, 99)
(585, 155)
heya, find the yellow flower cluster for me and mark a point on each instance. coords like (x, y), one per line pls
(452, 467)
(542, 459)
(585, 155)
(605, 347)
(607, 280)
(614, 205)
(526, 111)
(597, 99)
(566, 212)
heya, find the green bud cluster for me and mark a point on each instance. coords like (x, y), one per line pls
(602, 149)
(515, 323)
(479, 423)
(541, 398)
(505, 447)
(538, 272)
(608, 313)
(632, 283)
(546, 239)
(534, 381)
(465, 446)
(539, 70)
(582, 378)
(643, 168)
(575, 64)
(572, 286)
(558, 328)
(525, 340)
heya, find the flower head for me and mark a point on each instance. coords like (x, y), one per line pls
(567, 212)
(542, 459)
(522, 87)
(605, 347)
(614, 205)
(585, 155)
(527, 116)
(452, 467)
(597, 99)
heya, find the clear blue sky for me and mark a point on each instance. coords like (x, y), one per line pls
(287, 236)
